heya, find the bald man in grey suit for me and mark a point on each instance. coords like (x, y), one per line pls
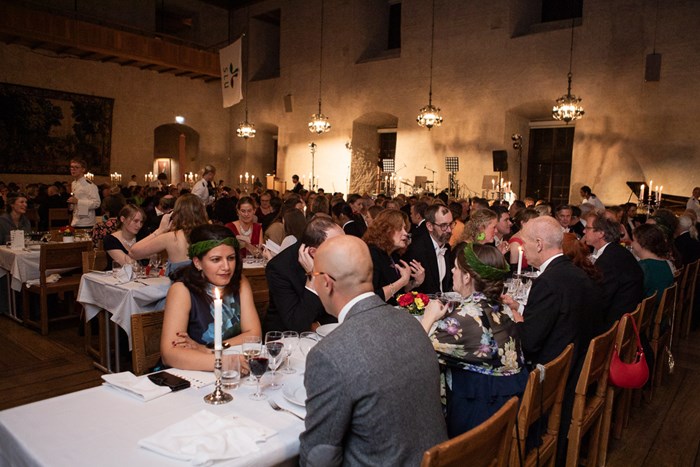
(372, 385)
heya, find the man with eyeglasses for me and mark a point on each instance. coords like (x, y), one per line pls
(372, 385)
(433, 252)
(85, 197)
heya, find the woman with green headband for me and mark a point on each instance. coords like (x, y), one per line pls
(188, 325)
(477, 341)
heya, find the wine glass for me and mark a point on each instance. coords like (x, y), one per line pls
(275, 353)
(291, 339)
(258, 367)
(252, 346)
(154, 262)
(273, 336)
(306, 341)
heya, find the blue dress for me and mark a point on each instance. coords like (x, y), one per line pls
(477, 344)
(172, 267)
(201, 322)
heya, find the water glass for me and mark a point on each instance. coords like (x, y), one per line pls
(291, 340)
(231, 368)
(307, 340)
(116, 269)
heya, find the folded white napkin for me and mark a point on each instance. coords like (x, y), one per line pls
(51, 278)
(125, 274)
(272, 246)
(140, 387)
(204, 438)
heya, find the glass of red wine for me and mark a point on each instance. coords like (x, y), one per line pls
(258, 367)
(275, 354)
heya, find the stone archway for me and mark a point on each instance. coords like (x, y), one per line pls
(179, 144)
(364, 165)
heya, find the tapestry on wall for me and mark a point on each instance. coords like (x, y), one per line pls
(41, 130)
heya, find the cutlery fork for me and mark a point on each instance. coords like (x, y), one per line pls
(276, 407)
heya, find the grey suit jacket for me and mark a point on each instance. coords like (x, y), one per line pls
(373, 394)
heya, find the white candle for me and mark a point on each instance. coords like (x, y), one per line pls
(520, 260)
(641, 193)
(493, 184)
(217, 320)
(658, 194)
(252, 179)
(246, 177)
(240, 179)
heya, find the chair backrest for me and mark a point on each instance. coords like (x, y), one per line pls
(596, 364)
(625, 339)
(485, 445)
(66, 256)
(58, 217)
(145, 338)
(664, 313)
(688, 283)
(543, 398)
(94, 260)
(646, 314)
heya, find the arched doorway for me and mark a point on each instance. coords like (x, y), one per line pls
(175, 151)
(373, 139)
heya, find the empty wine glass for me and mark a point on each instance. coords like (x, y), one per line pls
(290, 339)
(275, 353)
(252, 346)
(258, 367)
(307, 340)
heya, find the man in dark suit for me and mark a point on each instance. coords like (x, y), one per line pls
(293, 304)
(417, 215)
(164, 205)
(372, 399)
(560, 308)
(623, 278)
(297, 186)
(433, 250)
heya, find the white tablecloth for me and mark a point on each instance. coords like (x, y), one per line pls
(22, 265)
(100, 291)
(101, 427)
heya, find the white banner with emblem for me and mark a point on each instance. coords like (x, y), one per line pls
(231, 73)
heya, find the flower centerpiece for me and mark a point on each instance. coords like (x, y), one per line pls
(67, 233)
(414, 302)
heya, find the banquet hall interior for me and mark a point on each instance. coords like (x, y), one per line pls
(364, 72)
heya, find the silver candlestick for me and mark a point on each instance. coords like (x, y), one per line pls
(218, 396)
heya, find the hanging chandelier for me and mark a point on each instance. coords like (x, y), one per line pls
(429, 115)
(319, 123)
(245, 128)
(568, 107)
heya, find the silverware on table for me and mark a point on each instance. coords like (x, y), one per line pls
(276, 407)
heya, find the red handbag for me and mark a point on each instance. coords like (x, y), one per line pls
(629, 375)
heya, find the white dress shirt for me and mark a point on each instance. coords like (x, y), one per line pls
(88, 200)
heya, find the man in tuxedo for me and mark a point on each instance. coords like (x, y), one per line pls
(294, 306)
(433, 252)
(165, 205)
(371, 399)
(297, 186)
(417, 215)
(623, 278)
(563, 214)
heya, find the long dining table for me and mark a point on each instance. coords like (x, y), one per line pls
(102, 425)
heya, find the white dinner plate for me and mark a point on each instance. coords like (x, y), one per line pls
(295, 393)
(326, 329)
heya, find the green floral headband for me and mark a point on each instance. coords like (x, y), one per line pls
(483, 270)
(201, 248)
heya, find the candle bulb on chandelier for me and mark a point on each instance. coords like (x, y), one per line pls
(641, 193)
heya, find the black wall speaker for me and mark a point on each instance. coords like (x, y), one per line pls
(288, 103)
(500, 160)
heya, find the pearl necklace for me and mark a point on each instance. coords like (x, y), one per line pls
(245, 233)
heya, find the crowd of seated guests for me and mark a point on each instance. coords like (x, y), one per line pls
(595, 265)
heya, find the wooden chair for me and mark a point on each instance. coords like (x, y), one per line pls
(485, 445)
(587, 413)
(58, 217)
(145, 337)
(541, 398)
(646, 315)
(689, 289)
(261, 294)
(53, 256)
(618, 399)
(95, 260)
(661, 334)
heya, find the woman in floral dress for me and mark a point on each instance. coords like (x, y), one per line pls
(476, 341)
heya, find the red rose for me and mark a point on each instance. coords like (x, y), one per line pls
(405, 300)
(424, 297)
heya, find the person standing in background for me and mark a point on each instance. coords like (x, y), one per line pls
(85, 197)
(204, 189)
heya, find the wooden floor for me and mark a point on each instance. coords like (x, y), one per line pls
(663, 432)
